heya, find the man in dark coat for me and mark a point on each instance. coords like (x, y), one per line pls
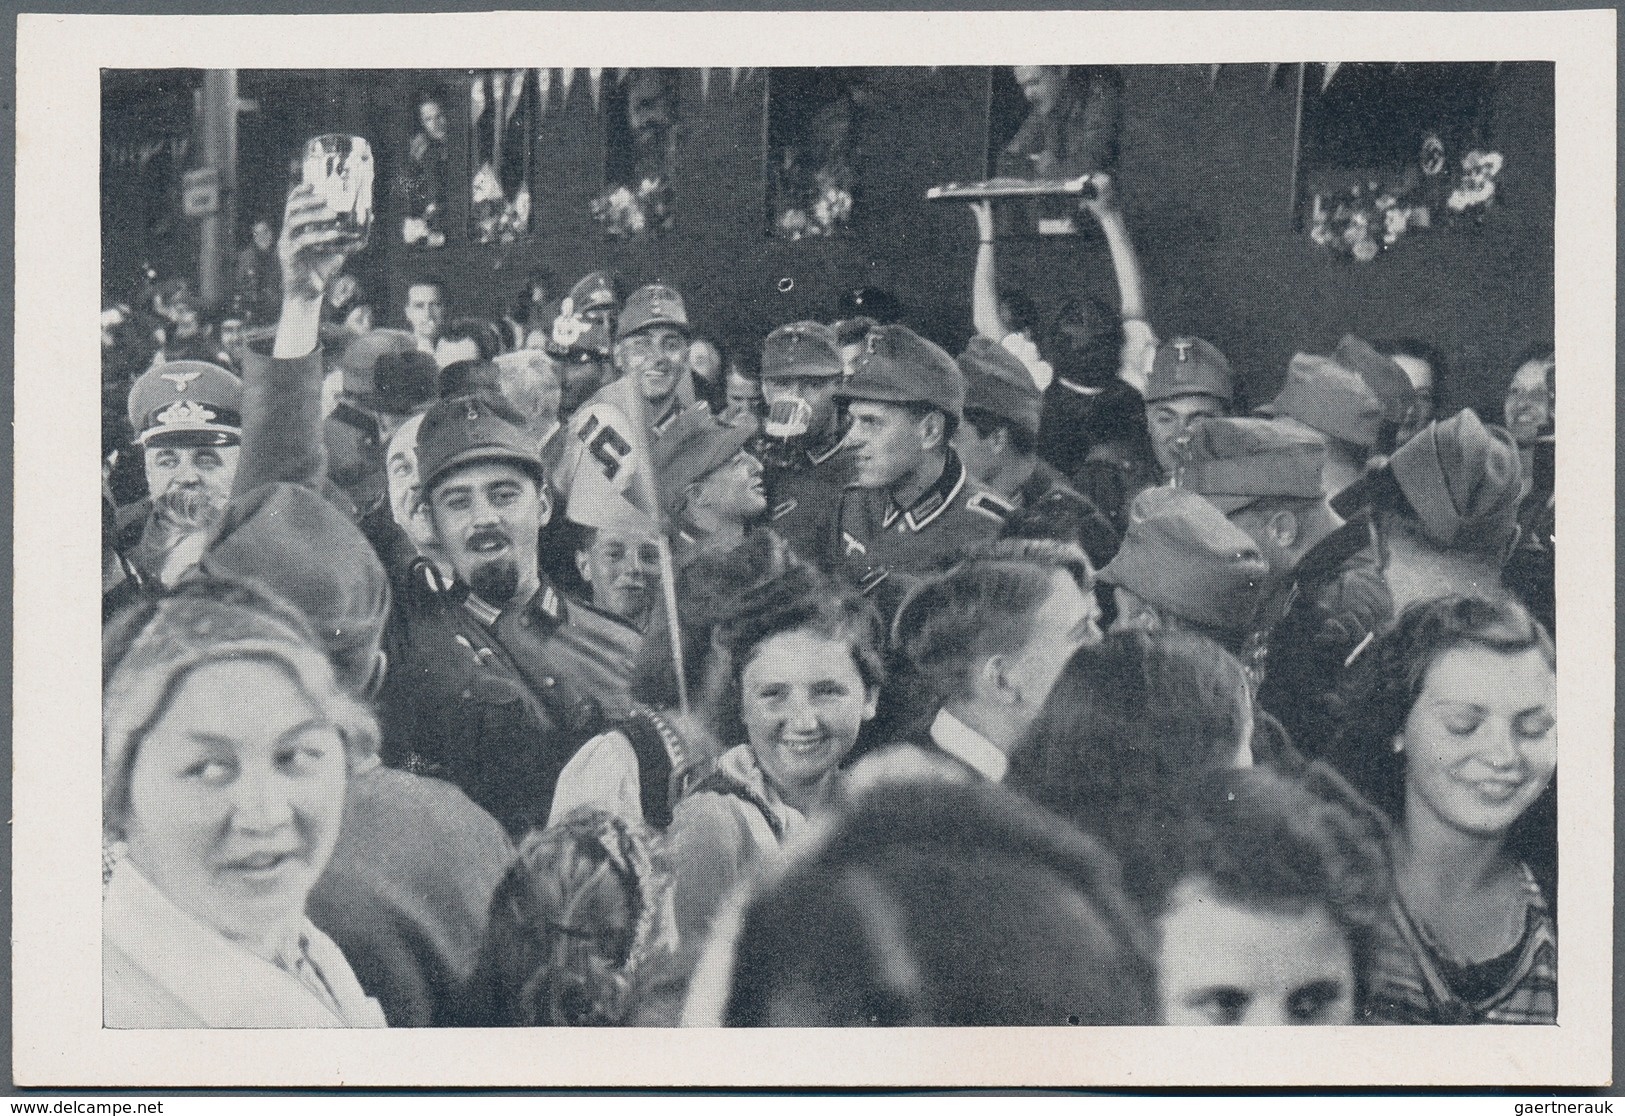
(1327, 598)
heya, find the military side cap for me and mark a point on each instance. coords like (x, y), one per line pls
(1322, 394)
(997, 382)
(1463, 480)
(1238, 461)
(655, 304)
(1190, 366)
(1182, 555)
(361, 356)
(801, 349)
(292, 540)
(186, 403)
(692, 448)
(473, 428)
(897, 365)
(1385, 378)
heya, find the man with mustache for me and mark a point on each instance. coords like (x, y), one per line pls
(186, 415)
(494, 681)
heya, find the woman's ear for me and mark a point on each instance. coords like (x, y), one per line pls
(375, 681)
(583, 568)
(871, 702)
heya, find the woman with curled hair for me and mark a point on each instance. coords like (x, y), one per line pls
(578, 929)
(226, 747)
(1128, 721)
(803, 673)
(1453, 732)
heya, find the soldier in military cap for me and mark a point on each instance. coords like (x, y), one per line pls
(1446, 505)
(1327, 598)
(1335, 404)
(801, 447)
(1190, 380)
(998, 440)
(711, 487)
(1183, 565)
(1388, 382)
(580, 336)
(911, 501)
(186, 415)
(651, 353)
(495, 681)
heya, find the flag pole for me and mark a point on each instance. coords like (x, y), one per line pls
(643, 477)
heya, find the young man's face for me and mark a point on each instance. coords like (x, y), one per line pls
(1170, 420)
(1221, 963)
(736, 492)
(433, 119)
(658, 357)
(1041, 85)
(621, 570)
(425, 309)
(979, 452)
(886, 441)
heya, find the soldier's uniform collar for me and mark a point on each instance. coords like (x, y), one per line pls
(819, 456)
(547, 605)
(932, 502)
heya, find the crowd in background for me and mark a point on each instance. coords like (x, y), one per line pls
(557, 667)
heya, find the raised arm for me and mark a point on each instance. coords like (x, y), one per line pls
(282, 388)
(984, 291)
(1138, 337)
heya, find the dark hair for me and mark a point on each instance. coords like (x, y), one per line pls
(483, 333)
(1094, 363)
(1020, 311)
(953, 905)
(1417, 350)
(434, 281)
(1128, 720)
(1386, 681)
(985, 605)
(550, 957)
(800, 600)
(874, 302)
(1263, 840)
(1022, 440)
(475, 377)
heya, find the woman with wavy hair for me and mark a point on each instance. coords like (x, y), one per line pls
(1453, 732)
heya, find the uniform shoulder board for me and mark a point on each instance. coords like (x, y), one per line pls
(872, 578)
(781, 510)
(991, 506)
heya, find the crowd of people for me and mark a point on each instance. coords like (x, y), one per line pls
(562, 668)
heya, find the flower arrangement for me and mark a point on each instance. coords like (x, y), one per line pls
(831, 210)
(625, 213)
(1475, 190)
(496, 219)
(1365, 221)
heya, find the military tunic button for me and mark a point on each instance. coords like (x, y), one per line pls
(549, 682)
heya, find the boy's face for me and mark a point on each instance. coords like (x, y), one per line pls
(1222, 964)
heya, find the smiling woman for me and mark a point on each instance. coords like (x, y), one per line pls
(806, 675)
(1454, 732)
(225, 751)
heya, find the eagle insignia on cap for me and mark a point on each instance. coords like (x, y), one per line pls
(1182, 350)
(180, 379)
(473, 413)
(186, 411)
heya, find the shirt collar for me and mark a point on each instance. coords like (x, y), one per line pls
(969, 747)
(933, 501)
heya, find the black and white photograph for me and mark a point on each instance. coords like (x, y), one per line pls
(971, 556)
